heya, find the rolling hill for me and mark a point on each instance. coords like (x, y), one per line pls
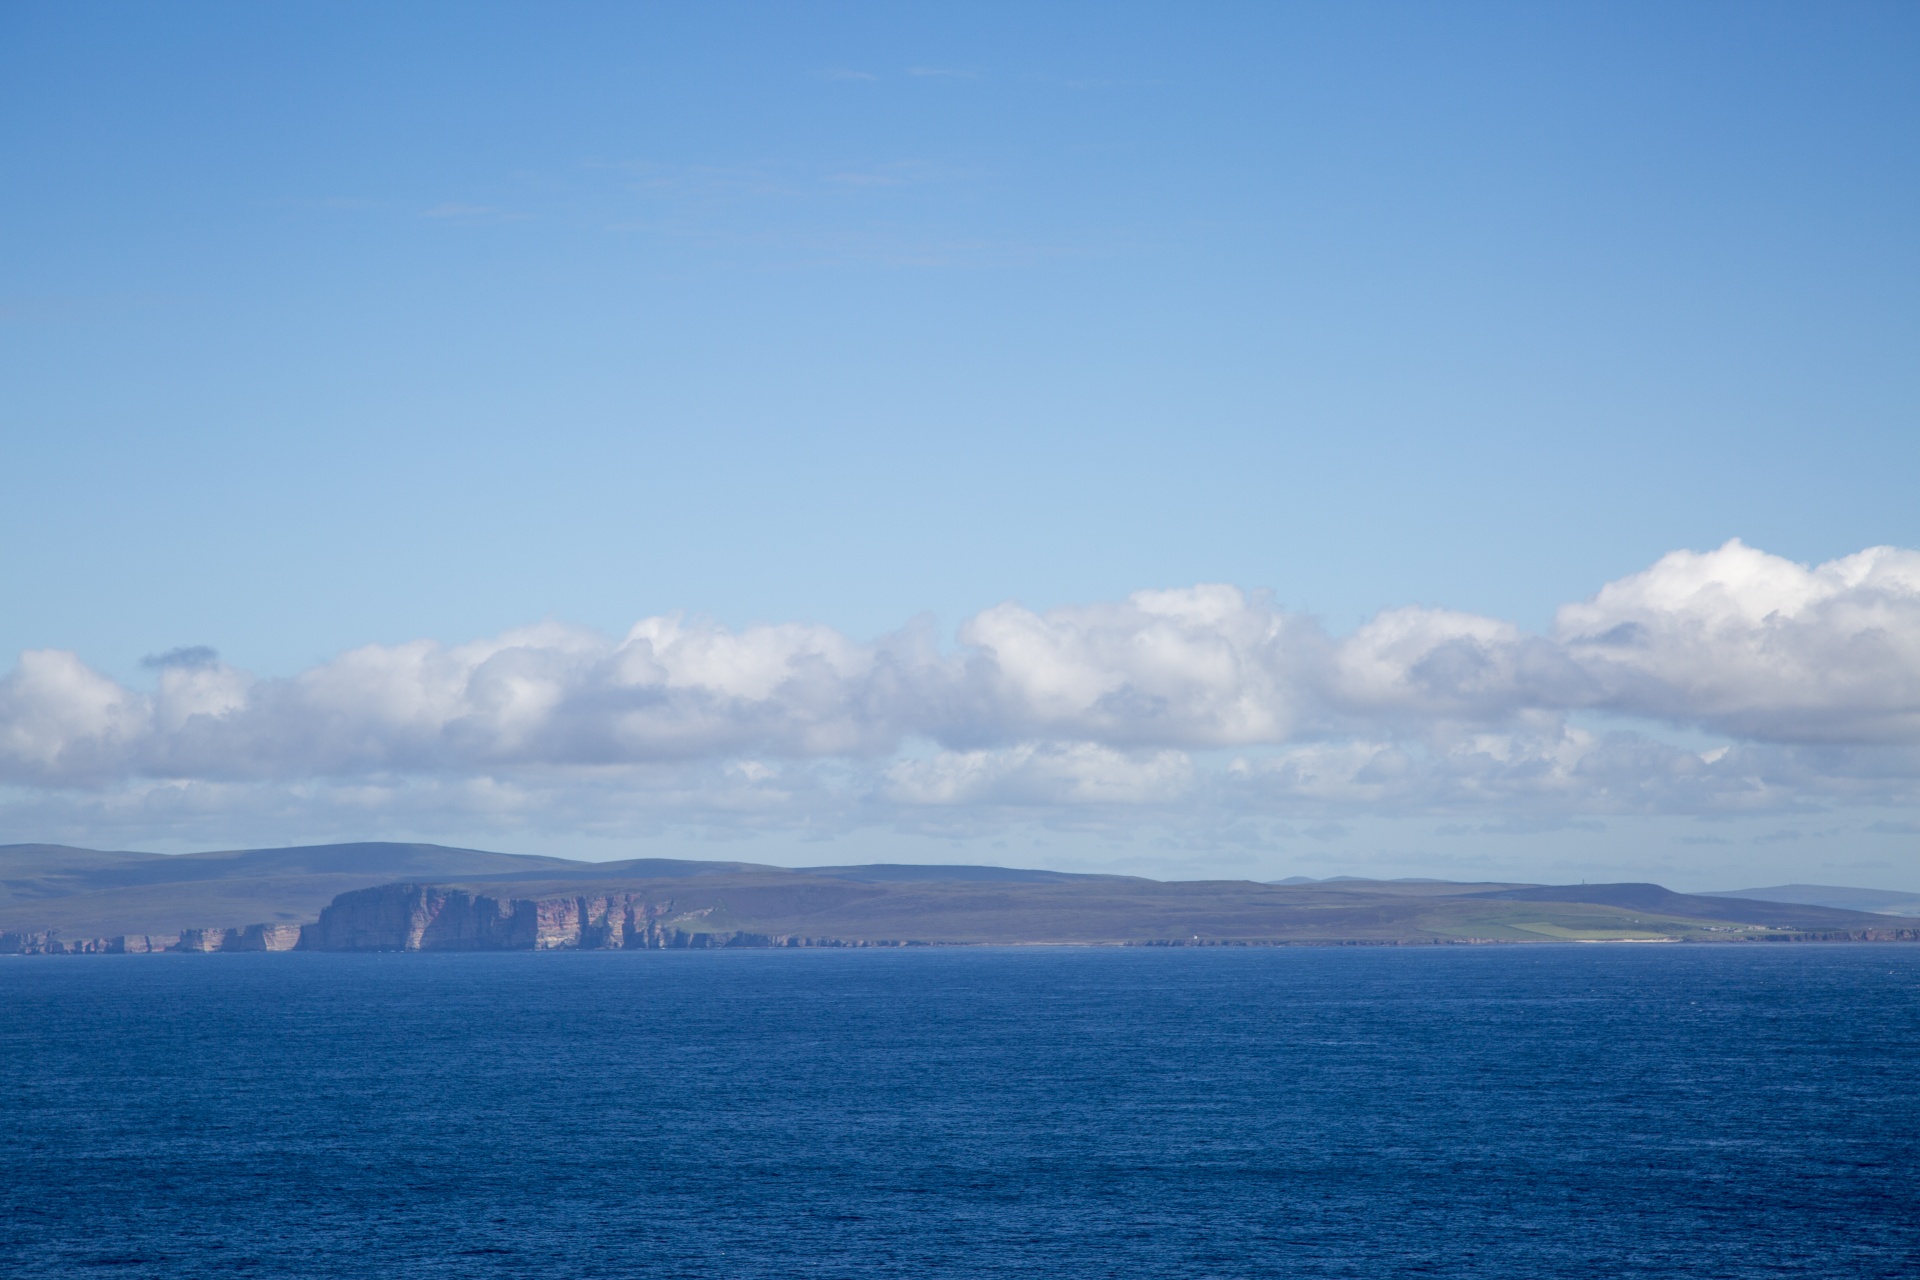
(83, 893)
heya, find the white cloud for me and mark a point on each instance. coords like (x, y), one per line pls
(1205, 666)
(1204, 700)
(1042, 775)
(1760, 647)
(61, 719)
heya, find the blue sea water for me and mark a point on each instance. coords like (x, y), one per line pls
(1501, 1112)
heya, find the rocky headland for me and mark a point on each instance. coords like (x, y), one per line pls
(498, 902)
(253, 937)
(412, 917)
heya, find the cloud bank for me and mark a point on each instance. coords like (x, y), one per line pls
(1201, 704)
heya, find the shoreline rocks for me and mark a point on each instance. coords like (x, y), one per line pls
(253, 937)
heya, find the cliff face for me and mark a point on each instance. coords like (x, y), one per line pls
(776, 908)
(255, 937)
(407, 917)
(412, 917)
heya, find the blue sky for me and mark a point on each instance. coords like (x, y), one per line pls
(330, 326)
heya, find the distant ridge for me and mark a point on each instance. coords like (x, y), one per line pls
(57, 898)
(95, 891)
(106, 892)
(1360, 880)
(885, 872)
(1884, 901)
(1654, 899)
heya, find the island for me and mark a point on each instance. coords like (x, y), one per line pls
(407, 897)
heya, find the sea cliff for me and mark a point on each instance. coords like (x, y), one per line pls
(253, 937)
(655, 904)
(417, 917)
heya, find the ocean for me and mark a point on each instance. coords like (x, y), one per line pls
(1536, 1111)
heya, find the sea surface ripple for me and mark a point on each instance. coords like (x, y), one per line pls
(1540, 1111)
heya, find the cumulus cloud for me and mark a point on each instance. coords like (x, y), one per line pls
(60, 720)
(1207, 666)
(1207, 698)
(1759, 647)
(1042, 774)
